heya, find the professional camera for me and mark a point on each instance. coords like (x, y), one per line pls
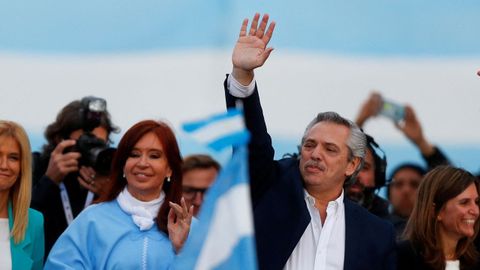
(95, 152)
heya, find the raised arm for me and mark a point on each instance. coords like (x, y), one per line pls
(249, 53)
(412, 129)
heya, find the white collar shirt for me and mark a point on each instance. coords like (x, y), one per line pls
(321, 247)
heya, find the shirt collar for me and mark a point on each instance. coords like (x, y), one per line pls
(338, 202)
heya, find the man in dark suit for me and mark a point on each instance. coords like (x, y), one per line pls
(302, 218)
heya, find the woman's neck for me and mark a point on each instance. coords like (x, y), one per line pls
(449, 248)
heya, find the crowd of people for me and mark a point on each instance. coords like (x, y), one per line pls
(316, 209)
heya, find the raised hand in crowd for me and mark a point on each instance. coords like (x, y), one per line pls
(412, 129)
(251, 49)
(370, 108)
(179, 220)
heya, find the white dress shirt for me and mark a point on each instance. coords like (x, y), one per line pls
(452, 265)
(321, 247)
(239, 90)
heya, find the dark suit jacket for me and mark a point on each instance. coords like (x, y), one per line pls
(280, 212)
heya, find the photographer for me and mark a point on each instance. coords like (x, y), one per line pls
(64, 178)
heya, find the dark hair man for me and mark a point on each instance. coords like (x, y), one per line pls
(199, 172)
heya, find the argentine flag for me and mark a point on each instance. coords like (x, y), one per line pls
(224, 235)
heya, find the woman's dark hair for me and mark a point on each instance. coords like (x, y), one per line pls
(438, 187)
(172, 189)
(69, 119)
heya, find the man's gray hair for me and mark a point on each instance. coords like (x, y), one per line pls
(357, 141)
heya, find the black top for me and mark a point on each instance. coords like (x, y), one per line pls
(409, 258)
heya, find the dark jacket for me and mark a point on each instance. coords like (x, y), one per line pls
(46, 199)
(280, 212)
(409, 258)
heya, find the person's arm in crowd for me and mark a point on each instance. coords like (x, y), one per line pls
(179, 222)
(412, 129)
(251, 52)
(370, 108)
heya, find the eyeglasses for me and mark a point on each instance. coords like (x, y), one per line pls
(189, 192)
(399, 184)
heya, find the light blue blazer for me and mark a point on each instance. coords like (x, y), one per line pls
(28, 254)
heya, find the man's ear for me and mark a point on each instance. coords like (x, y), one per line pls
(352, 166)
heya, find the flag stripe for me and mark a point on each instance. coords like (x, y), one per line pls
(192, 126)
(235, 139)
(217, 129)
(232, 222)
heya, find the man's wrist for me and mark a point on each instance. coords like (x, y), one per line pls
(237, 89)
(244, 77)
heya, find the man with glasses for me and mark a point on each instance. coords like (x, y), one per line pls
(199, 172)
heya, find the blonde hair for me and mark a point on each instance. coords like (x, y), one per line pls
(20, 192)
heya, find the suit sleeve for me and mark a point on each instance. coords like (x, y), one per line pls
(437, 158)
(261, 153)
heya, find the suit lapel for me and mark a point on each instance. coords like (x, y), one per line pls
(20, 257)
(352, 236)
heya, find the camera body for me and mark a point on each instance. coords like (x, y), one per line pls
(94, 152)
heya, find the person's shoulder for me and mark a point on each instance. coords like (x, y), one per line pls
(405, 246)
(34, 216)
(97, 208)
(408, 256)
(363, 215)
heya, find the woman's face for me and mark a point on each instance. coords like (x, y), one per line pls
(9, 162)
(146, 168)
(458, 216)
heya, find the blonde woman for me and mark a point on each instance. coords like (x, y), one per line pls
(21, 228)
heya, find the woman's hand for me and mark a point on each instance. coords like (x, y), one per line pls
(179, 220)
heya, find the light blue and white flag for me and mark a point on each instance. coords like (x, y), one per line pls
(224, 236)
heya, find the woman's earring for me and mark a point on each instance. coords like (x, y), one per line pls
(168, 179)
(124, 175)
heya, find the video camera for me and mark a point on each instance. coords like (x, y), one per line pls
(95, 152)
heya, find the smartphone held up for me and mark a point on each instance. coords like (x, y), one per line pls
(392, 110)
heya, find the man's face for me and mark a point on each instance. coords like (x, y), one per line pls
(195, 183)
(403, 191)
(365, 178)
(324, 163)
